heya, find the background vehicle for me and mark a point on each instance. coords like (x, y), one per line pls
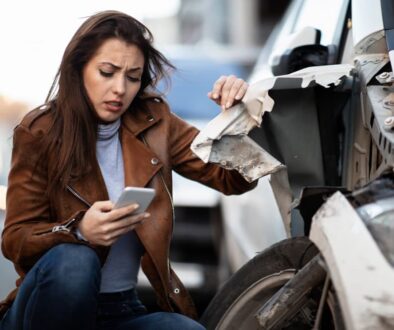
(253, 221)
(332, 140)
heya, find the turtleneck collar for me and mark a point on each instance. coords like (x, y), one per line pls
(107, 131)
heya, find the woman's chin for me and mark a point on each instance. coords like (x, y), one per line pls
(107, 117)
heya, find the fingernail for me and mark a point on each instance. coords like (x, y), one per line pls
(238, 97)
(215, 96)
(228, 105)
(135, 206)
(146, 215)
(223, 107)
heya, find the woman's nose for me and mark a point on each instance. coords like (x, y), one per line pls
(119, 86)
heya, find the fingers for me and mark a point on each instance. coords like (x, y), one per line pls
(242, 90)
(228, 90)
(214, 99)
(112, 231)
(217, 88)
(228, 93)
(130, 220)
(102, 225)
(119, 213)
(106, 212)
(103, 206)
(232, 88)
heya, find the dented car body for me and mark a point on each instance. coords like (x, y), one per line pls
(325, 135)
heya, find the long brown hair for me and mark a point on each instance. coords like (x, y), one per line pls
(73, 132)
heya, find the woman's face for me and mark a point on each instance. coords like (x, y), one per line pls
(112, 78)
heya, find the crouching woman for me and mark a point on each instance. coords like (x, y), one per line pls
(100, 130)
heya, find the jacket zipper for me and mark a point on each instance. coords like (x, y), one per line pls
(66, 226)
(63, 227)
(172, 207)
(171, 200)
(76, 194)
(58, 228)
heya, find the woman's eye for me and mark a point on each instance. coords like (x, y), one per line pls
(134, 79)
(105, 74)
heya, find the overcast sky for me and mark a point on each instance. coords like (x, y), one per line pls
(34, 33)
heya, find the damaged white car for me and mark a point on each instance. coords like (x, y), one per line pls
(327, 140)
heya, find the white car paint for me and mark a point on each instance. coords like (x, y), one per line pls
(252, 223)
(366, 19)
(364, 285)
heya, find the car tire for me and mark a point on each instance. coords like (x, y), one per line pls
(235, 305)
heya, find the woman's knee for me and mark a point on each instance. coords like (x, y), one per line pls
(71, 265)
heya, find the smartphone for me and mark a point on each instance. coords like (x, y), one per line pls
(131, 195)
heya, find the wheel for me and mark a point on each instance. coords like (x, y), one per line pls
(235, 305)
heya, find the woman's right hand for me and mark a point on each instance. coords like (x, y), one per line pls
(103, 225)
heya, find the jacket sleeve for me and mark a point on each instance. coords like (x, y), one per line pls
(29, 230)
(186, 163)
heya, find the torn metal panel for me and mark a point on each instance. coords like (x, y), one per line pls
(370, 64)
(325, 75)
(282, 192)
(241, 153)
(257, 101)
(240, 119)
(372, 43)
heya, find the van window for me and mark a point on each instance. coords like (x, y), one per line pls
(326, 16)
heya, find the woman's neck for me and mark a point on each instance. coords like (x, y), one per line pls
(107, 130)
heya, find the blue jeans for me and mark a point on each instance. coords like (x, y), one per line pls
(61, 292)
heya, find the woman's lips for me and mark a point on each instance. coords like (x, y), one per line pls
(113, 106)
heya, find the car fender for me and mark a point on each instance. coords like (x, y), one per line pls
(361, 275)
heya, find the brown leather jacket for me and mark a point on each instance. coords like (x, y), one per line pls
(154, 142)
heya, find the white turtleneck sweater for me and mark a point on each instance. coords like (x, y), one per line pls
(121, 268)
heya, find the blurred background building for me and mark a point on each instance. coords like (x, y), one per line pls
(232, 22)
(35, 33)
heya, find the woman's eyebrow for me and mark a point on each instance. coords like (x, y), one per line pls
(118, 67)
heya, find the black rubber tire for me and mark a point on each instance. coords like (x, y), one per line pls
(275, 265)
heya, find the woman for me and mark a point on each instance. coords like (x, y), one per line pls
(102, 130)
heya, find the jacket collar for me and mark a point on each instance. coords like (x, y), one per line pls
(140, 163)
(138, 119)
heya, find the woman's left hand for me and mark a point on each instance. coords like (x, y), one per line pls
(228, 91)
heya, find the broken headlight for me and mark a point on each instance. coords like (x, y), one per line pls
(379, 219)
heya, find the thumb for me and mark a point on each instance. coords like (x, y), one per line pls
(103, 206)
